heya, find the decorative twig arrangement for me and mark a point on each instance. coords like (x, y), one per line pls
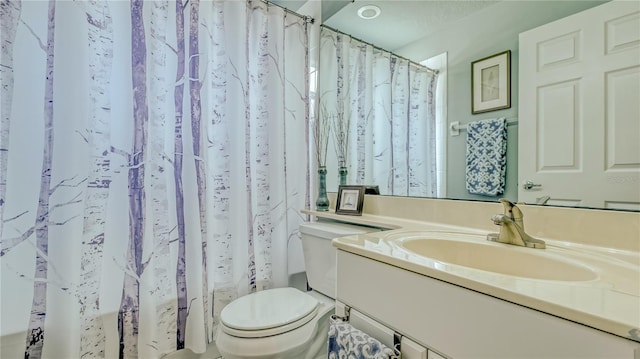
(321, 132)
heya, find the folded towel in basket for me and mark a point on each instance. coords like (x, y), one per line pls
(347, 342)
(486, 156)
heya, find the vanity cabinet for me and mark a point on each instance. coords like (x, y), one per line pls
(461, 323)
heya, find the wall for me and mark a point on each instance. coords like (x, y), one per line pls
(492, 30)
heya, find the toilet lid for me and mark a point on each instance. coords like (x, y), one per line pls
(268, 312)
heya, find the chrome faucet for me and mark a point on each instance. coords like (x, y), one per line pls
(512, 228)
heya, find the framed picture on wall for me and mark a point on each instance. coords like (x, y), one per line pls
(350, 200)
(491, 83)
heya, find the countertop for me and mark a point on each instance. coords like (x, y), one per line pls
(610, 302)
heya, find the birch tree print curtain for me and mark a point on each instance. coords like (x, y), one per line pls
(151, 169)
(389, 106)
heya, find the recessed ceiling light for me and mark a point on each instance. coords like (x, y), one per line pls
(369, 12)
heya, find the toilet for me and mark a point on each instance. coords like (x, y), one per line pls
(286, 322)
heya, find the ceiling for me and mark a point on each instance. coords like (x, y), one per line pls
(401, 21)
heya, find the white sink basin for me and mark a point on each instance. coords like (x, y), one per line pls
(499, 258)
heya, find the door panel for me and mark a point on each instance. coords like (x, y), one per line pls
(579, 121)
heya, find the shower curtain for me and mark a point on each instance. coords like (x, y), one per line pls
(151, 169)
(388, 104)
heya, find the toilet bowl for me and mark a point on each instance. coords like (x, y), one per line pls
(275, 323)
(287, 323)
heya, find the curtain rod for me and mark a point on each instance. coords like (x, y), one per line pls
(306, 18)
(381, 49)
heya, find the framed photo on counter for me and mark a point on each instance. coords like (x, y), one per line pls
(350, 200)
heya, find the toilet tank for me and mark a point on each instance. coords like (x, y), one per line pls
(320, 255)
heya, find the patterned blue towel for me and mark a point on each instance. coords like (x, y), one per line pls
(347, 342)
(486, 156)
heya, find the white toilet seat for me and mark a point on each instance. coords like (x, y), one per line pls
(267, 313)
(289, 343)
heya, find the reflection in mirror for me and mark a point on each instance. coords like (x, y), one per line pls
(382, 111)
(466, 31)
(581, 123)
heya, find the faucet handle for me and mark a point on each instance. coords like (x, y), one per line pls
(513, 212)
(508, 206)
(506, 203)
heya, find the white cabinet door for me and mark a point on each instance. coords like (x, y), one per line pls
(579, 114)
(412, 350)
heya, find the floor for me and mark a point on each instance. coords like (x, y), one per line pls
(299, 281)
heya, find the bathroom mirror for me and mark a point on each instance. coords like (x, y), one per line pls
(466, 31)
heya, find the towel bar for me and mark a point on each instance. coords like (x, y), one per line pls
(347, 312)
(397, 337)
(455, 127)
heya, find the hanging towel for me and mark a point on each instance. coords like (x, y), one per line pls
(347, 342)
(486, 156)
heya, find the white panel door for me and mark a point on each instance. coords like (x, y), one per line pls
(579, 114)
